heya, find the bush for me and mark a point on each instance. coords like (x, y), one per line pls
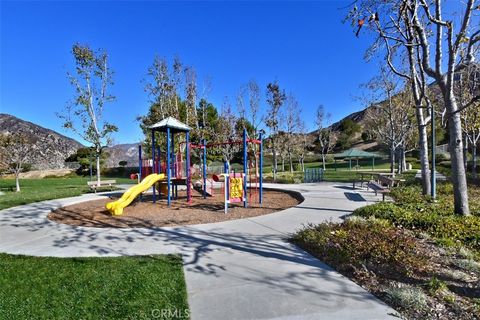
(407, 297)
(437, 220)
(435, 285)
(357, 242)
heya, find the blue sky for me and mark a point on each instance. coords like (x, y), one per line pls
(303, 45)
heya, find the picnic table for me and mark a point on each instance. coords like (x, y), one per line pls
(367, 176)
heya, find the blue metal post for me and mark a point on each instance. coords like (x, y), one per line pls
(173, 156)
(225, 167)
(153, 161)
(204, 169)
(245, 159)
(188, 179)
(168, 167)
(260, 197)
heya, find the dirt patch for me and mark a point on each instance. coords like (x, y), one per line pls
(146, 214)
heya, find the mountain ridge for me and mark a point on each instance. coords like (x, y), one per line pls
(49, 148)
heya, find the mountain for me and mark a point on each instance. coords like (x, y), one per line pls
(122, 152)
(50, 148)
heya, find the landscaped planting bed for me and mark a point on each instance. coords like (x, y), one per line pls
(414, 254)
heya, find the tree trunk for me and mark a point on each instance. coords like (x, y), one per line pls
(283, 164)
(323, 161)
(392, 159)
(98, 168)
(17, 181)
(459, 178)
(423, 146)
(274, 161)
(291, 163)
(465, 152)
(474, 161)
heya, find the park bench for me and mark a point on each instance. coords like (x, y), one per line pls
(94, 185)
(382, 185)
(361, 179)
(378, 188)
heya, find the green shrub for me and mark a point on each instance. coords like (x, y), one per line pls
(383, 210)
(435, 285)
(413, 211)
(357, 242)
(407, 297)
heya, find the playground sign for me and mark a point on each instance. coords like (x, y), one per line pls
(234, 190)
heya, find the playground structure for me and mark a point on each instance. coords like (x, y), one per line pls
(236, 185)
(177, 170)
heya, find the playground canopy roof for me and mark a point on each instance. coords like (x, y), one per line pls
(172, 123)
(356, 153)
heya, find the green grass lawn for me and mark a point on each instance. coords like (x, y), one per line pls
(34, 190)
(92, 288)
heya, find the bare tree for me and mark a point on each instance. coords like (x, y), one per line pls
(241, 104)
(91, 82)
(206, 129)
(302, 144)
(292, 125)
(418, 28)
(227, 132)
(176, 83)
(324, 132)
(254, 104)
(391, 120)
(191, 117)
(275, 99)
(15, 150)
(468, 87)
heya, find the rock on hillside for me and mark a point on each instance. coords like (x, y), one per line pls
(50, 148)
(123, 152)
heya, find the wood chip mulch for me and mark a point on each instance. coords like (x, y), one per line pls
(145, 214)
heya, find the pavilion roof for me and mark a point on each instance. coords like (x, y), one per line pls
(356, 153)
(172, 123)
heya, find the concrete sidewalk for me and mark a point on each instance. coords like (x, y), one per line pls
(239, 269)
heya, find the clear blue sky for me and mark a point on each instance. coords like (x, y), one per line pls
(302, 44)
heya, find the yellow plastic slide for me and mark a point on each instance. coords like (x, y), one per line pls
(116, 207)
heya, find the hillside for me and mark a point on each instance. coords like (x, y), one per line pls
(50, 148)
(123, 152)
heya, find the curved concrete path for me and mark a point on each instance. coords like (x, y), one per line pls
(240, 269)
